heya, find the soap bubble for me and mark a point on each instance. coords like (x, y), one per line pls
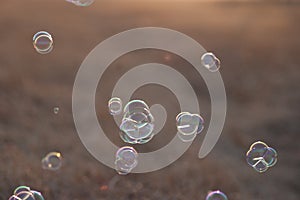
(188, 126)
(126, 160)
(52, 161)
(81, 2)
(137, 124)
(43, 42)
(25, 193)
(210, 61)
(216, 195)
(261, 157)
(115, 106)
(56, 110)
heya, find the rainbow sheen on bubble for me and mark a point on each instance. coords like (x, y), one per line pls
(126, 160)
(261, 157)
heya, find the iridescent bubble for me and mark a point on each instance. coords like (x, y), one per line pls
(216, 195)
(137, 124)
(126, 160)
(81, 2)
(43, 42)
(115, 106)
(14, 197)
(52, 161)
(261, 157)
(210, 61)
(188, 123)
(56, 110)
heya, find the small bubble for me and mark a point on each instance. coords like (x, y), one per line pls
(210, 61)
(115, 106)
(81, 2)
(52, 161)
(126, 160)
(43, 42)
(56, 110)
(216, 195)
(261, 157)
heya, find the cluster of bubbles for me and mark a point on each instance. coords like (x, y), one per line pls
(210, 61)
(25, 193)
(216, 195)
(188, 126)
(261, 157)
(126, 160)
(43, 42)
(81, 2)
(137, 123)
(52, 161)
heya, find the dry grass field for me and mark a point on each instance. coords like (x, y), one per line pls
(258, 45)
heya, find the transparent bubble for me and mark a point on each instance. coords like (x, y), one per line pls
(261, 157)
(81, 2)
(22, 188)
(56, 110)
(210, 61)
(137, 124)
(216, 195)
(126, 160)
(188, 123)
(52, 161)
(115, 106)
(43, 42)
(24, 195)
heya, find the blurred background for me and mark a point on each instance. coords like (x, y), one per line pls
(258, 45)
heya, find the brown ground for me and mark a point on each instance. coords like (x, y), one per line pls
(258, 45)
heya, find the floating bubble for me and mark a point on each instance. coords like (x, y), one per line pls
(210, 61)
(137, 124)
(56, 110)
(261, 157)
(189, 124)
(43, 42)
(115, 106)
(126, 160)
(216, 195)
(81, 2)
(52, 161)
